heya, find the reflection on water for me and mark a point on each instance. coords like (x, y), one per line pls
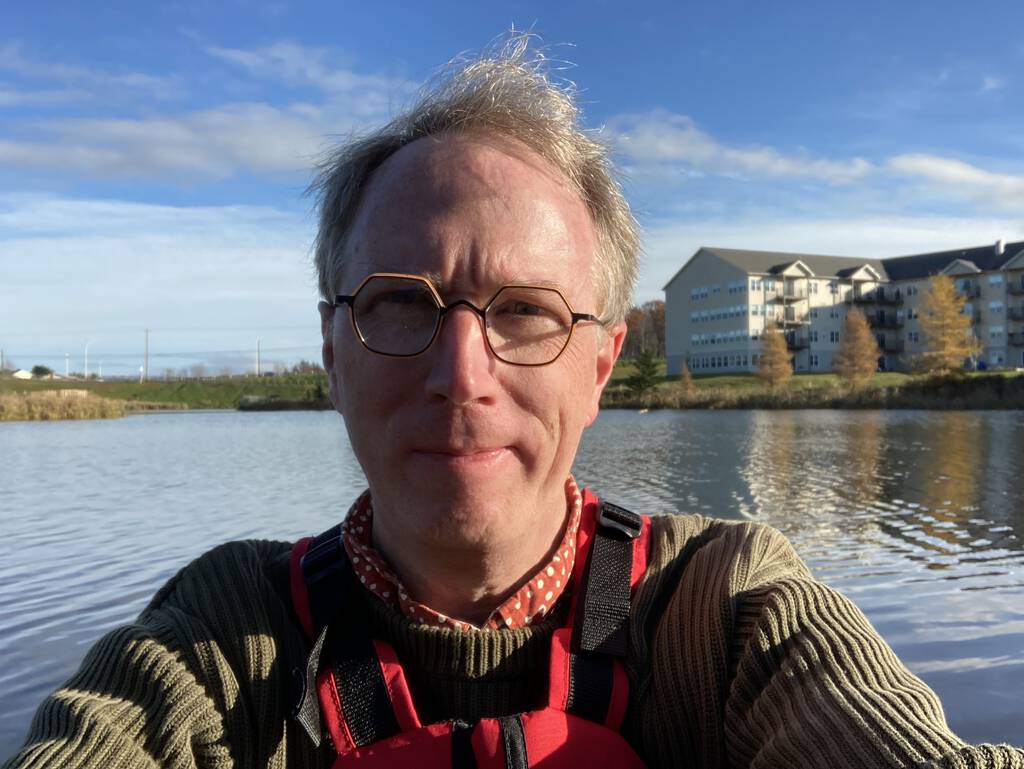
(919, 517)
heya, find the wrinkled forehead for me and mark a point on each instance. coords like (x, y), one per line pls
(470, 213)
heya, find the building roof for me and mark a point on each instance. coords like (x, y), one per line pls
(776, 262)
(984, 258)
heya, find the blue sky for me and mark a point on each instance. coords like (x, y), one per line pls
(153, 156)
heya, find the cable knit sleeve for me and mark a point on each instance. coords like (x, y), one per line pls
(198, 681)
(753, 663)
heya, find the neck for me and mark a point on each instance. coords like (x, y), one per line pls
(468, 581)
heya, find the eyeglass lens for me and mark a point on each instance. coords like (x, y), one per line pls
(400, 316)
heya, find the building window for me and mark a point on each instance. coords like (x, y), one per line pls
(833, 336)
(814, 335)
(995, 280)
(995, 308)
(995, 332)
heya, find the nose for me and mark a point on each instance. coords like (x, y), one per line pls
(462, 366)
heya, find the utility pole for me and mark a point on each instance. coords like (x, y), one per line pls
(145, 365)
(67, 366)
(101, 371)
(87, 360)
(257, 356)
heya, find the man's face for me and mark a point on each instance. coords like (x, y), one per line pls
(462, 449)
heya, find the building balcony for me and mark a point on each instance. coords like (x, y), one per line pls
(793, 318)
(891, 345)
(1015, 313)
(1016, 339)
(797, 341)
(971, 291)
(789, 294)
(1016, 288)
(885, 320)
(880, 295)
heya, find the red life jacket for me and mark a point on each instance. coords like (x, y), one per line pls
(359, 689)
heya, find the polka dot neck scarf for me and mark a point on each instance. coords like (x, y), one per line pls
(528, 604)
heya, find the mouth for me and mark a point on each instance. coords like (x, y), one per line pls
(463, 457)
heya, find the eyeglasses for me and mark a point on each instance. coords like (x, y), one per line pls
(400, 315)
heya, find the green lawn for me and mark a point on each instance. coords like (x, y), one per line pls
(212, 393)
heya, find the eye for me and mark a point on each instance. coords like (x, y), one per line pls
(522, 308)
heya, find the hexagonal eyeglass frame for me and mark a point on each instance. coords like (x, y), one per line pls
(441, 310)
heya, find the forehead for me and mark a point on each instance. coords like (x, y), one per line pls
(472, 212)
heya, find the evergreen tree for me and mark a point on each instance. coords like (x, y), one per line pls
(776, 365)
(857, 359)
(646, 373)
(946, 328)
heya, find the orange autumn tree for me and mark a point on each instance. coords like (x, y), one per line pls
(946, 328)
(857, 359)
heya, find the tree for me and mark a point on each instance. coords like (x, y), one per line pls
(946, 328)
(645, 329)
(686, 381)
(776, 365)
(655, 310)
(306, 367)
(41, 372)
(857, 359)
(646, 373)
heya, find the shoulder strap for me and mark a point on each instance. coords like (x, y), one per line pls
(344, 647)
(602, 623)
(597, 686)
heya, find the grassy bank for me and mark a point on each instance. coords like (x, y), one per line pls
(886, 390)
(210, 393)
(50, 405)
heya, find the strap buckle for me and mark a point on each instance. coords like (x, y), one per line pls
(619, 519)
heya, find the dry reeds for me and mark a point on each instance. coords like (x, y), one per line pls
(978, 393)
(49, 405)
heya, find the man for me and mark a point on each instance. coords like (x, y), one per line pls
(476, 608)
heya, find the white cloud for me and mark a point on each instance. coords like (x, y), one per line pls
(214, 143)
(958, 177)
(75, 269)
(992, 83)
(301, 65)
(210, 144)
(664, 137)
(17, 97)
(99, 82)
(669, 245)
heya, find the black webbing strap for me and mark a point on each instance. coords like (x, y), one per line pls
(590, 686)
(361, 687)
(602, 625)
(324, 568)
(349, 649)
(463, 756)
(513, 739)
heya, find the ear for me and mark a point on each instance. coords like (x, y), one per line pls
(327, 316)
(608, 351)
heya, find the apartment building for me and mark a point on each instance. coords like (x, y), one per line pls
(718, 305)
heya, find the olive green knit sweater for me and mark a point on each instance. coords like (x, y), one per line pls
(739, 658)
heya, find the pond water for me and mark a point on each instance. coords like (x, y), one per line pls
(917, 516)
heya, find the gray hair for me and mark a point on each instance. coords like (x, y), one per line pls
(508, 93)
